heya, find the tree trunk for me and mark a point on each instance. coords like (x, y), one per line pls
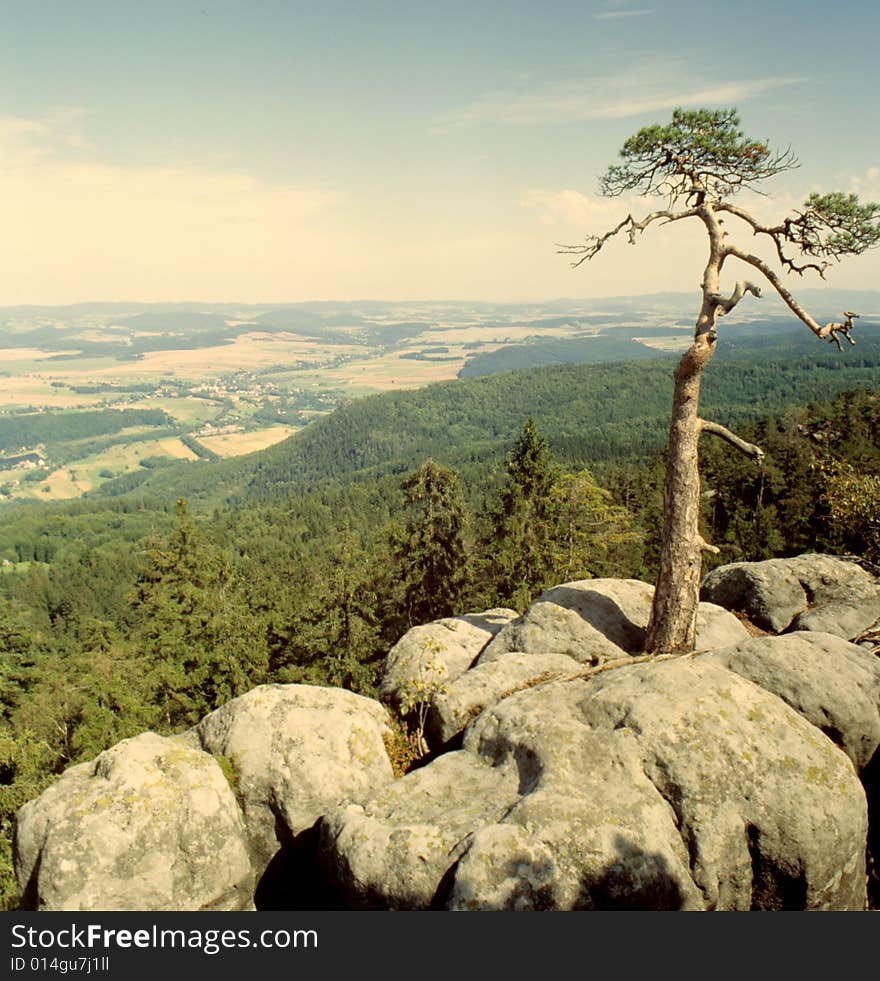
(672, 627)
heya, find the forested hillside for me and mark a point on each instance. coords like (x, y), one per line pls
(592, 415)
(131, 613)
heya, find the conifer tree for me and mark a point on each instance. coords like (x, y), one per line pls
(202, 643)
(431, 555)
(697, 163)
(520, 557)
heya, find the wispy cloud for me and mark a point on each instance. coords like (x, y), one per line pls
(616, 14)
(613, 97)
(867, 185)
(90, 227)
(568, 207)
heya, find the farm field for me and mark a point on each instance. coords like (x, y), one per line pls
(210, 380)
(237, 444)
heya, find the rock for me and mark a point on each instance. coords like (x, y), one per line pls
(662, 785)
(595, 620)
(830, 682)
(769, 593)
(461, 702)
(394, 851)
(438, 652)
(150, 824)
(297, 751)
(808, 592)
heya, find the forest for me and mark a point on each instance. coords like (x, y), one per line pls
(146, 610)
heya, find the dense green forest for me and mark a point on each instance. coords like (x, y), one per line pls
(594, 415)
(305, 563)
(51, 429)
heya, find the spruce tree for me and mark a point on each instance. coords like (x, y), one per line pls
(201, 641)
(431, 555)
(520, 558)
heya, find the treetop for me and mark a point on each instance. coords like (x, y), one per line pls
(701, 152)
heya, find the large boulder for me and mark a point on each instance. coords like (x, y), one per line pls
(661, 785)
(595, 620)
(297, 751)
(393, 851)
(808, 592)
(150, 824)
(455, 706)
(436, 653)
(830, 682)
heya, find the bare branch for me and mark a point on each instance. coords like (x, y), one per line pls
(779, 286)
(716, 429)
(844, 328)
(778, 234)
(739, 291)
(706, 547)
(594, 243)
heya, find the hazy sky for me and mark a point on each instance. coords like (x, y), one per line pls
(270, 151)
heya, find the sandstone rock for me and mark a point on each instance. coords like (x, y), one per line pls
(438, 652)
(769, 593)
(394, 851)
(595, 620)
(772, 812)
(150, 824)
(483, 686)
(662, 785)
(830, 682)
(297, 751)
(807, 592)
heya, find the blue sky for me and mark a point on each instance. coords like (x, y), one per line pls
(272, 151)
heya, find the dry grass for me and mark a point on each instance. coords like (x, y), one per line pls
(237, 444)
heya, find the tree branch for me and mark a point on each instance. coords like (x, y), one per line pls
(739, 291)
(779, 286)
(595, 243)
(778, 234)
(716, 429)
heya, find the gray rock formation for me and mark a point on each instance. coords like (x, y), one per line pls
(830, 682)
(588, 778)
(150, 824)
(297, 751)
(594, 620)
(459, 703)
(393, 851)
(808, 592)
(438, 652)
(671, 785)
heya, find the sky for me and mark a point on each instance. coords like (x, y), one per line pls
(272, 151)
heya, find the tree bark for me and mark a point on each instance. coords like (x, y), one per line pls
(672, 627)
(673, 621)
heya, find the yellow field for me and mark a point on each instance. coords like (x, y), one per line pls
(31, 374)
(496, 334)
(679, 343)
(249, 351)
(28, 354)
(237, 444)
(90, 472)
(173, 447)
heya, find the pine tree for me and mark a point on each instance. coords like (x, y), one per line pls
(202, 643)
(431, 554)
(519, 556)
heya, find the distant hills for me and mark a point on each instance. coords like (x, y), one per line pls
(592, 415)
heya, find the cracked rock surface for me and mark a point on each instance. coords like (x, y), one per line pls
(150, 824)
(663, 785)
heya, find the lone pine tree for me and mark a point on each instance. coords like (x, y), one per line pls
(698, 162)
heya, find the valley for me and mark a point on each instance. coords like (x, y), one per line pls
(222, 381)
